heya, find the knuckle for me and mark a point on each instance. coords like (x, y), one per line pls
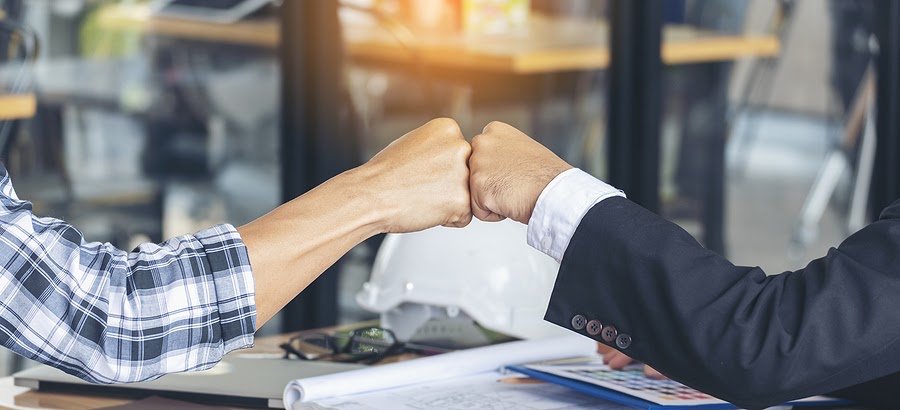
(446, 126)
(477, 141)
(489, 203)
(493, 126)
(476, 178)
(464, 204)
(471, 168)
(483, 142)
(441, 121)
(480, 213)
(464, 149)
(481, 179)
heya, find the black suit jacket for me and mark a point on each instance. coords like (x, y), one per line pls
(732, 331)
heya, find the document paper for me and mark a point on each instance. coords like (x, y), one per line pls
(491, 390)
(440, 367)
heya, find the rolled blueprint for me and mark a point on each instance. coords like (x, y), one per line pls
(432, 368)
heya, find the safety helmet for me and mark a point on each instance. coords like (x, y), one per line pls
(485, 271)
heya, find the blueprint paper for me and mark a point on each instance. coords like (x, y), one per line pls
(441, 367)
(484, 391)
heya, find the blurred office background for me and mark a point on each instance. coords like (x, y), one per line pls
(149, 124)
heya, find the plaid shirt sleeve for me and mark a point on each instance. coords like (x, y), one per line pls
(110, 316)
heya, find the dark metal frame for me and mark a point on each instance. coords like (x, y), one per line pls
(634, 99)
(886, 176)
(313, 147)
(714, 140)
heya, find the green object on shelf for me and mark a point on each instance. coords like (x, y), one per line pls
(97, 41)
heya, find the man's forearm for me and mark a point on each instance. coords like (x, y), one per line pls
(110, 316)
(734, 332)
(292, 245)
(417, 182)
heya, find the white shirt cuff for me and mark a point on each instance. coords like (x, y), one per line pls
(560, 207)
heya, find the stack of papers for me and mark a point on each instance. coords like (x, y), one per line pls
(436, 368)
(490, 390)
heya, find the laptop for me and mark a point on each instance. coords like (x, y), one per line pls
(215, 11)
(235, 381)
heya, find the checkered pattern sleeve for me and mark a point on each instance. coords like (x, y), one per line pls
(110, 316)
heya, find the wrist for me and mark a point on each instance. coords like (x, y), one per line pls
(548, 174)
(560, 208)
(377, 209)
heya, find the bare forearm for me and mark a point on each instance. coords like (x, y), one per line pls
(417, 182)
(292, 245)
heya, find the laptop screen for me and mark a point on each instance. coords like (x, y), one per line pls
(206, 4)
(218, 11)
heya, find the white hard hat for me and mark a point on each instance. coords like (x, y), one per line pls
(486, 270)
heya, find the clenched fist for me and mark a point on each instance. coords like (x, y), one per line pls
(508, 171)
(421, 180)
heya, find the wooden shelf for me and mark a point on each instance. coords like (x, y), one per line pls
(17, 106)
(547, 45)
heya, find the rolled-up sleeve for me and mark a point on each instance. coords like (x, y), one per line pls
(109, 316)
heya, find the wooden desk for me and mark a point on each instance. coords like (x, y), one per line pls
(14, 397)
(548, 45)
(17, 106)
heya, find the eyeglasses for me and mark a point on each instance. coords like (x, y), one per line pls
(366, 345)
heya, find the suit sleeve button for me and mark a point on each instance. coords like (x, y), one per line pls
(578, 322)
(593, 327)
(609, 333)
(623, 341)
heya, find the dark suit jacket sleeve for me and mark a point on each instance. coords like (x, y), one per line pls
(732, 331)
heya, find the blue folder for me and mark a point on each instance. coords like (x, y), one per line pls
(638, 403)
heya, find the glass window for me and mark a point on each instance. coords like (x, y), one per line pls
(143, 128)
(138, 122)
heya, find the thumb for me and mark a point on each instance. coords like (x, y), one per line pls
(480, 211)
(485, 214)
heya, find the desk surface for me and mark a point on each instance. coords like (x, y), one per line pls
(17, 106)
(14, 397)
(548, 44)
